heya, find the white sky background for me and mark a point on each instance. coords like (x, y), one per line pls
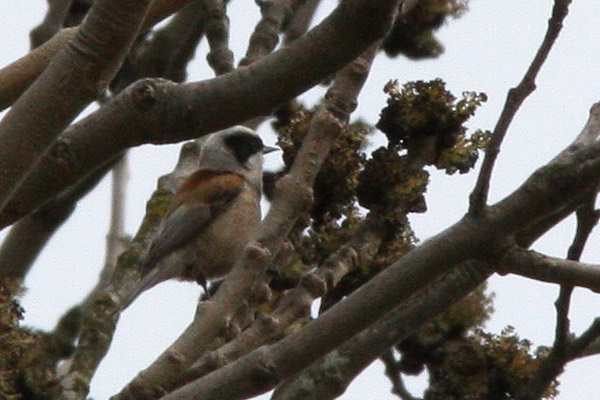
(487, 50)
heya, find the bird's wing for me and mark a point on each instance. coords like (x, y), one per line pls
(194, 211)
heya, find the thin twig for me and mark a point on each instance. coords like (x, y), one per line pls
(220, 57)
(116, 239)
(515, 98)
(52, 23)
(564, 348)
(543, 268)
(266, 34)
(393, 372)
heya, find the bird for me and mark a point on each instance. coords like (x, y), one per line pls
(214, 213)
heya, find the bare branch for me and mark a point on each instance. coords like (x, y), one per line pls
(291, 200)
(330, 376)
(161, 9)
(515, 98)
(266, 34)
(301, 20)
(564, 348)
(295, 303)
(91, 60)
(102, 304)
(220, 58)
(591, 131)
(471, 237)
(160, 112)
(52, 23)
(16, 77)
(393, 372)
(28, 237)
(550, 269)
(116, 240)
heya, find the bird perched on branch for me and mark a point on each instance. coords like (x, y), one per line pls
(214, 213)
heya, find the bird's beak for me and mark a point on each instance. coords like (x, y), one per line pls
(269, 149)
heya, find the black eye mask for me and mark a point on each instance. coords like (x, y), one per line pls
(244, 146)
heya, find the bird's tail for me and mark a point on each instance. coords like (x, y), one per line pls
(152, 278)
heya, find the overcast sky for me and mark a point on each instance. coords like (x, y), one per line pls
(487, 50)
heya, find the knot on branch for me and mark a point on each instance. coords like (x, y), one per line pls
(144, 94)
(261, 293)
(176, 357)
(265, 374)
(257, 253)
(315, 286)
(62, 153)
(340, 105)
(269, 323)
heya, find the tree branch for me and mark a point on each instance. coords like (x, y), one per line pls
(28, 237)
(515, 98)
(393, 372)
(154, 111)
(565, 179)
(101, 305)
(564, 348)
(220, 57)
(52, 23)
(549, 269)
(115, 239)
(266, 34)
(16, 77)
(292, 198)
(73, 79)
(301, 20)
(295, 303)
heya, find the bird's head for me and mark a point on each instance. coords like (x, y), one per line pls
(238, 150)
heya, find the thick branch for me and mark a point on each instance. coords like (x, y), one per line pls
(28, 237)
(515, 98)
(73, 79)
(292, 198)
(157, 112)
(561, 181)
(295, 303)
(16, 77)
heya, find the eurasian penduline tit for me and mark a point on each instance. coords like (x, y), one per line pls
(214, 214)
